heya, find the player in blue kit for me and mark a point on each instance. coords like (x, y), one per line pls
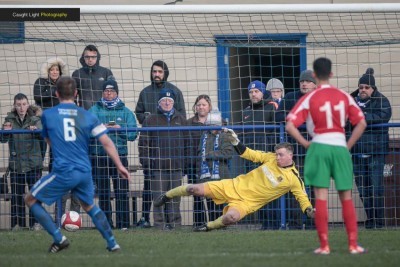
(67, 128)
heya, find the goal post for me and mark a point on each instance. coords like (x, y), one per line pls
(211, 49)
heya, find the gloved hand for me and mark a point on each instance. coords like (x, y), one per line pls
(232, 136)
(310, 212)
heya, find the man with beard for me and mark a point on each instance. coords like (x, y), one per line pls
(370, 151)
(147, 104)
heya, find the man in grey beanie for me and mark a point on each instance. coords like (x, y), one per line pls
(307, 84)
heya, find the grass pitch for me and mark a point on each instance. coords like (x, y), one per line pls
(232, 247)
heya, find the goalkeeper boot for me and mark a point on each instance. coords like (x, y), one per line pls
(201, 228)
(322, 251)
(54, 248)
(357, 250)
(115, 248)
(161, 200)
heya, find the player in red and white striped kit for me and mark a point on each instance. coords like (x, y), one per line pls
(325, 111)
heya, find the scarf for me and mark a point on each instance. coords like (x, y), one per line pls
(168, 114)
(205, 171)
(110, 104)
(362, 103)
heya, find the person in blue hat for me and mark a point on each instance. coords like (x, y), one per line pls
(163, 154)
(113, 113)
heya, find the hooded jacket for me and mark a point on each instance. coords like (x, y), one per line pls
(376, 109)
(89, 80)
(44, 89)
(24, 149)
(123, 117)
(148, 97)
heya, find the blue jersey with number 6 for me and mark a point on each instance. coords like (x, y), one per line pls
(69, 129)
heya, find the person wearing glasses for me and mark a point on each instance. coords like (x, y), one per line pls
(90, 77)
(370, 150)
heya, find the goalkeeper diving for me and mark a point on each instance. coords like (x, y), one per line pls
(245, 194)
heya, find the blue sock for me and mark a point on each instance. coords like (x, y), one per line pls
(100, 221)
(46, 221)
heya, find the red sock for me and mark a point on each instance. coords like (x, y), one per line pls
(350, 220)
(321, 221)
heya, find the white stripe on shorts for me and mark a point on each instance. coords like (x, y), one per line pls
(43, 185)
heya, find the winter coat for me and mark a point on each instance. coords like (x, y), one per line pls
(24, 148)
(122, 116)
(223, 154)
(148, 98)
(376, 109)
(164, 150)
(261, 113)
(89, 81)
(44, 89)
(194, 142)
(285, 106)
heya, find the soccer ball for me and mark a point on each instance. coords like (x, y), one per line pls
(71, 221)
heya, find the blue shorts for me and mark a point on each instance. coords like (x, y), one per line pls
(53, 186)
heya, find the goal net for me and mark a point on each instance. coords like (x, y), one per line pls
(215, 50)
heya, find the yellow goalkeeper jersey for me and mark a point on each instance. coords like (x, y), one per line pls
(269, 181)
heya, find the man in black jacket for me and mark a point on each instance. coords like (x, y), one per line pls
(147, 104)
(370, 150)
(307, 84)
(90, 77)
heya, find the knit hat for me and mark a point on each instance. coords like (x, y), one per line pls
(307, 75)
(274, 84)
(166, 93)
(110, 84)
(214, 118)
(257, 85)
(368, 78)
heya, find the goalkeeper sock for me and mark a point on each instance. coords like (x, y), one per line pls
(215, 224)
(47, 222)
(179, 191)
(321, 221)
(350, 220)
(100, 221)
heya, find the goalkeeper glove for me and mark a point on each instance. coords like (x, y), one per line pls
(232, 136)
(310, 212)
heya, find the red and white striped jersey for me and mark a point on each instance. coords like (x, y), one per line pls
(326, 111)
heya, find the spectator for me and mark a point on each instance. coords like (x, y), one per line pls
(44, 90)
(90, 77)
(248, 192)
(370, 151)
(276, 88)
(215, 151)
(44, 93)
(148, 104)
(201, 108)
(112, 112)
(164, 153)
(307, 84)
(68, 129)
(326, 110)
(25, 161)
(148, 98)
(261, 112)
